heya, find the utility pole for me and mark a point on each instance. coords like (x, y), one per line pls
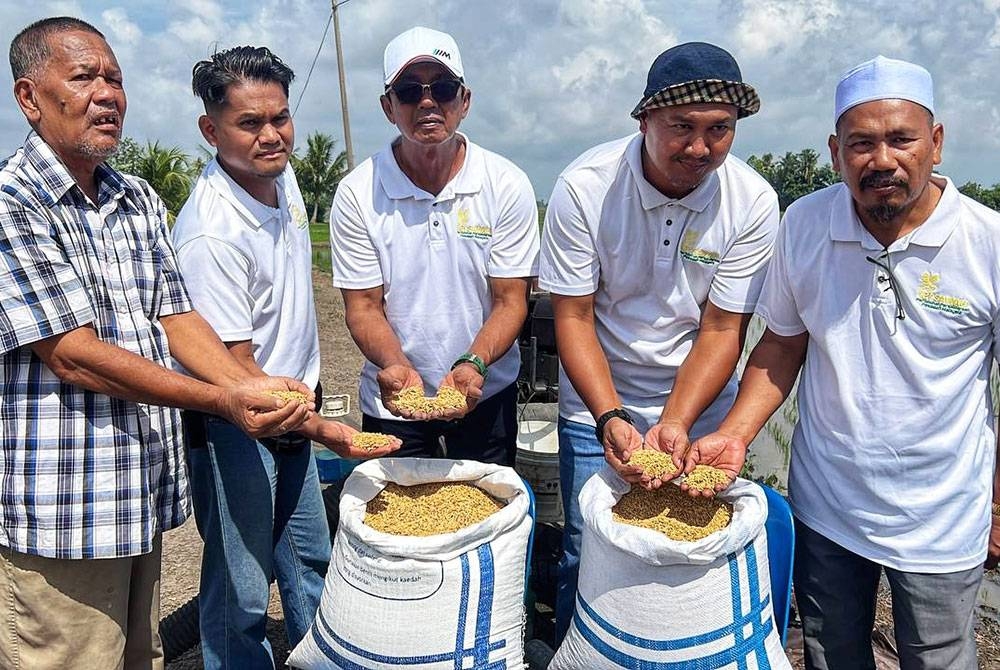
(343, 84)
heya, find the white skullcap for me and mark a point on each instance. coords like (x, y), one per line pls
(884, 78)
(418, 45)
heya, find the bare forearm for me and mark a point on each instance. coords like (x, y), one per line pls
(500, 331)
(584, 361)
(81, 359)
(705, 372)
(198, 348)
(768, 379)
(375, 338)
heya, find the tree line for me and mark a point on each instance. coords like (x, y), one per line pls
(171, 172)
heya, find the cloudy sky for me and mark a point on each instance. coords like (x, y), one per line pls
(551, 78)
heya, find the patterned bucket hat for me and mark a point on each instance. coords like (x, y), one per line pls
(697, 72)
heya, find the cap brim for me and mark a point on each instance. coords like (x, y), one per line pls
(414, 61)
(703, 91)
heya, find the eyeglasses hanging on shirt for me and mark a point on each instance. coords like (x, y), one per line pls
(886, 277)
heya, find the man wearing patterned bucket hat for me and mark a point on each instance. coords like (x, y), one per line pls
(884, 292)
(434, 241)
(654, 249)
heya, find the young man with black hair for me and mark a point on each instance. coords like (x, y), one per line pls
(242, 242)
(92, 306)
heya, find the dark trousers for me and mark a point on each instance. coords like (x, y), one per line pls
(487, 434)
(836, 591)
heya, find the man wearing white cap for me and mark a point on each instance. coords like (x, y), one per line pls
(655, 247)
(885, 291)
(434, 243)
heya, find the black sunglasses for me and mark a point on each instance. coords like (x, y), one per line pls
(883, 264)
(442, 90)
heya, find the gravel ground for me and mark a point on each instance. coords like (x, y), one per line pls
(341, 364)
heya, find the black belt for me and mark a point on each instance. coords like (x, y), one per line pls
(196, 431)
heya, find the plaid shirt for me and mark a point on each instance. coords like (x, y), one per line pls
(83, 474)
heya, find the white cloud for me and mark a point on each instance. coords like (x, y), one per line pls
(551, 78)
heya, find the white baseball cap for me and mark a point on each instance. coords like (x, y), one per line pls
(418, 45)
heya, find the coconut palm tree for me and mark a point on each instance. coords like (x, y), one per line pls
(169, 171)
(319, 172)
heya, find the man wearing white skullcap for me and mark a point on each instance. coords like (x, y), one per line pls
(885, 291)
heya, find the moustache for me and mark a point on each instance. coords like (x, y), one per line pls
(881, 181)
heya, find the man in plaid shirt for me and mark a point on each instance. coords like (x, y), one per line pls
(92, 307)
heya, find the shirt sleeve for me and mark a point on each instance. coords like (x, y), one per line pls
(777, 303)
(569, 263)
(353, 258)
(174, 295)
(737, 283)
(514, 247)
(219, 283)
(41, 294)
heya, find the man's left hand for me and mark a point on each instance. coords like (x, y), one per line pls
(993, 557)
(467, 380)
(671, 438)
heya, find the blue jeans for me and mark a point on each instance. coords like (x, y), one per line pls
(260, 514)
(580, 456)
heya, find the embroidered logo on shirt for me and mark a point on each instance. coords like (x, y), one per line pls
(928, 296)
(299, 217)
(691, 252)
(469, 230)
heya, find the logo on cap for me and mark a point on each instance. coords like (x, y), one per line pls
(441, 52)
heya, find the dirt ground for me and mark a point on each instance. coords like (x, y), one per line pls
(341, 364)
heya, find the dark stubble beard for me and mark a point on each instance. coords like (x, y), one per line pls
(884, 212)
(98, 151)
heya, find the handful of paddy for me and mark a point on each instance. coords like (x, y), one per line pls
(658, 465)
(412, 399)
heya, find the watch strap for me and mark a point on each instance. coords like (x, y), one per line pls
(602, 420)
(476, 362)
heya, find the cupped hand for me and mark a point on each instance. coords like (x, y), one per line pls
(670, 437)
(393, 379)
(339, 438)
(725, 452)
(466, 380)
(621, 440)
(259, 414)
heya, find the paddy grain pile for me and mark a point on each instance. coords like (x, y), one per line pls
(429, 509)
(413, 399)
(371, 441)
(655, 464)
(673, 512)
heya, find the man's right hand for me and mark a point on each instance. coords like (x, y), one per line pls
(392, 380)
(261, 415)
(621, 440)
(725, 452)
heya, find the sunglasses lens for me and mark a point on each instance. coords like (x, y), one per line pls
(409, 94)
(445, 90)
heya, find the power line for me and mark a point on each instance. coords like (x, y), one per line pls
(315, 58)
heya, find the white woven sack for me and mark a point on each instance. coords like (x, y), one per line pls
(646, 601)
(441, 602)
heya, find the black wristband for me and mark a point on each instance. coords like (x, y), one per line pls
(602, 420)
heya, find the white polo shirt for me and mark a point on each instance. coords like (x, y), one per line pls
(434, 257)
(893, 454)
(652, 262)
(248, 268)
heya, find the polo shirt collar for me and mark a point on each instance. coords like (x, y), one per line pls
(651, 198)
(845, 226)
(397, 185)
(55, 180)
(254, 212)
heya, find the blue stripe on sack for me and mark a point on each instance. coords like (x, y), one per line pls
(463, 610)
(710, 662)
(734, 588)
(481, 652)
(669, 645)
(456, 656)
(763, 662)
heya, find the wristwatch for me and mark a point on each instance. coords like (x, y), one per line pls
(602, 420)
(475, 360)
